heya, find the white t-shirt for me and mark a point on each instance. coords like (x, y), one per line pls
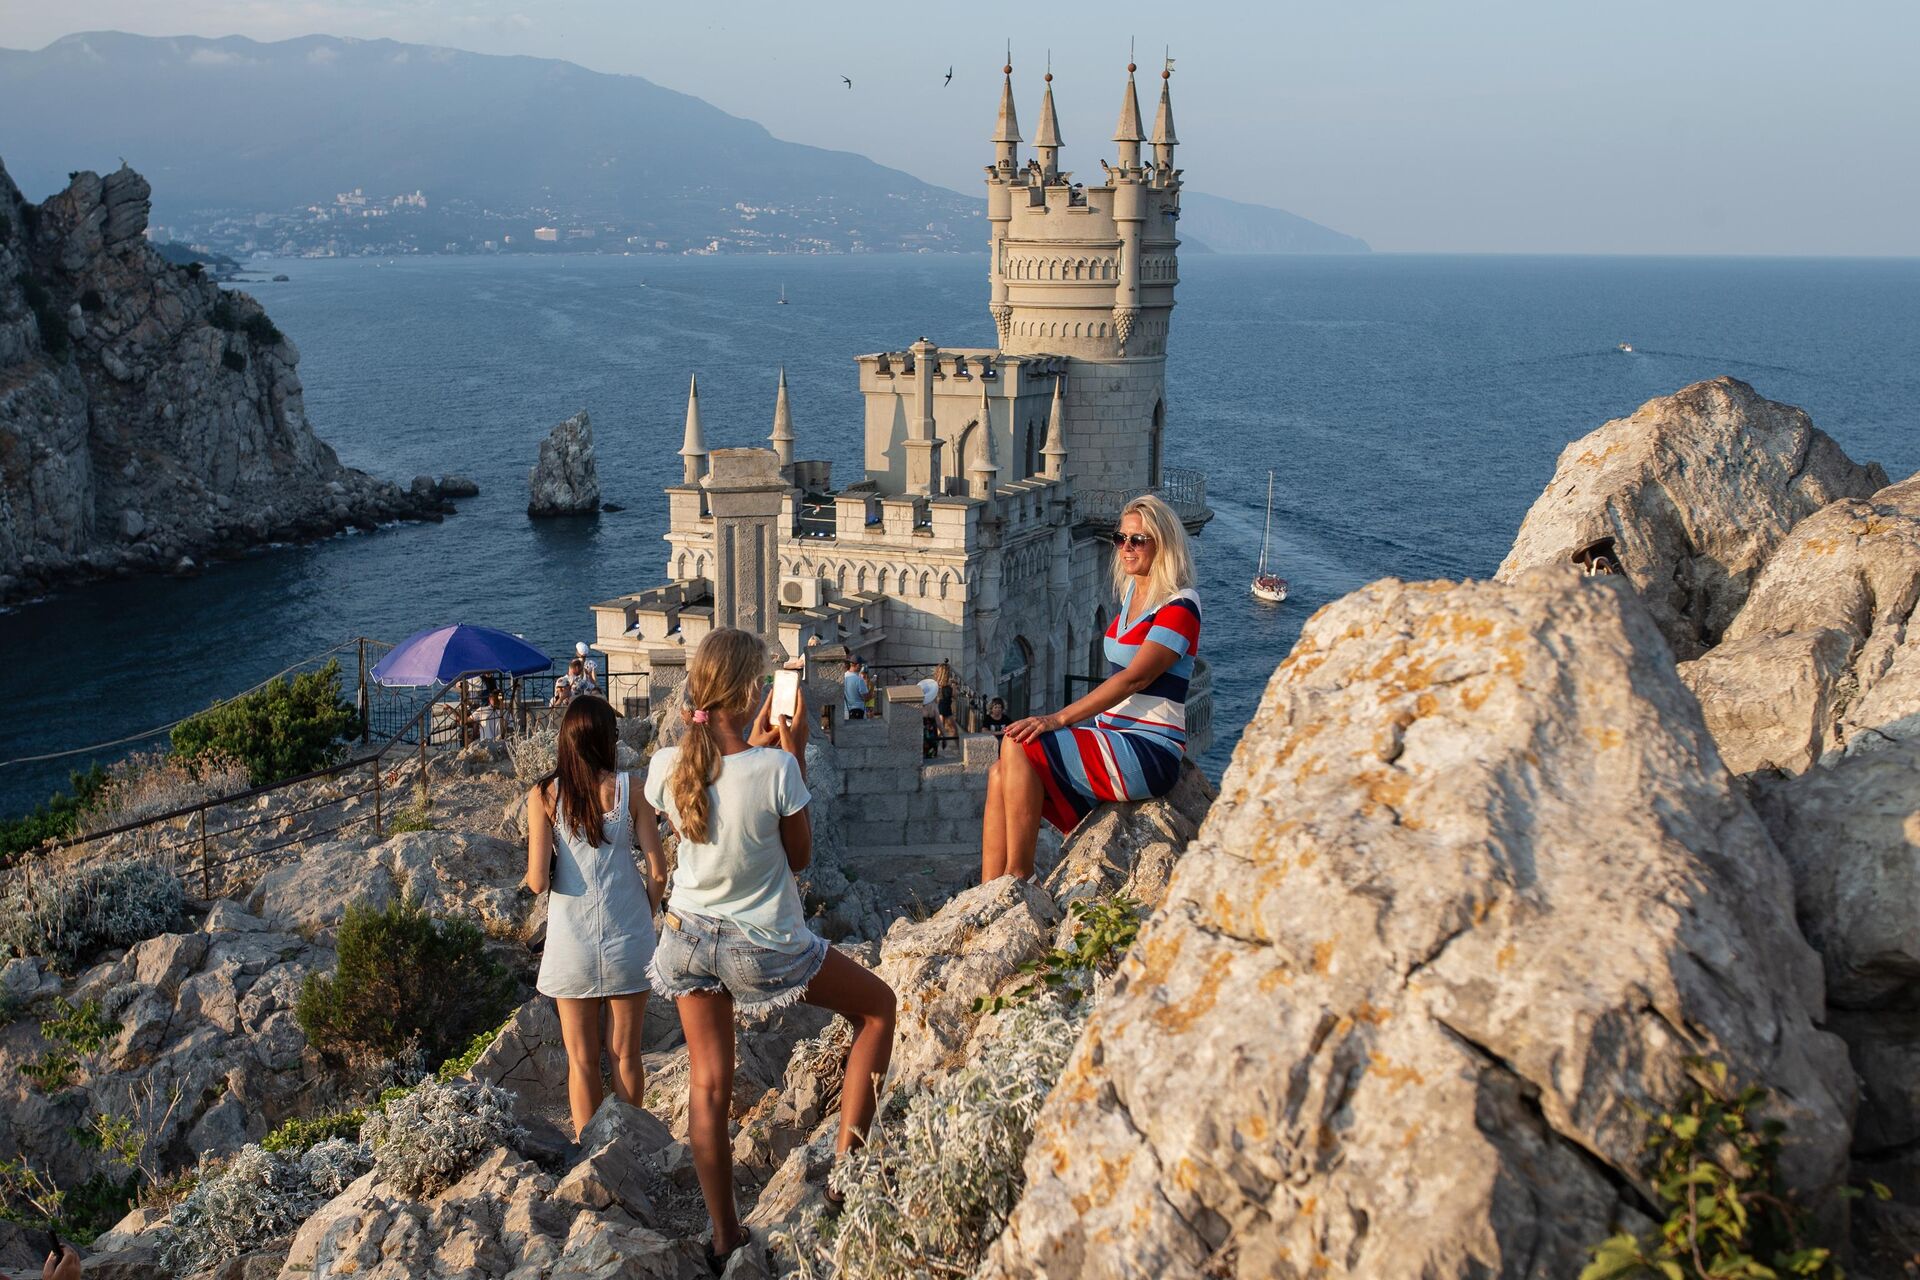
(741, 873)
(853, 687)
(488, 718)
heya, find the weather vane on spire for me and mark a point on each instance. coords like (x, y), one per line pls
(1166, 72)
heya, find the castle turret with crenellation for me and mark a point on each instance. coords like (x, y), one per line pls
(1089, 272)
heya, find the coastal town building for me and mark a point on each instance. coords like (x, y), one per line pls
(977, 529)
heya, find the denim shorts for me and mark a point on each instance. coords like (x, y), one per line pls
(703, 953)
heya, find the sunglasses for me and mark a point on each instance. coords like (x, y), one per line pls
(1132, 540)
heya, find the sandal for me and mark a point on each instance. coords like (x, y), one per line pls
(717, 1262)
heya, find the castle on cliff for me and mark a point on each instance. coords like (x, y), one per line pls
(978, 531)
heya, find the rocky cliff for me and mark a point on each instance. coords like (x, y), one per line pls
(1687, 497)
(146, 414)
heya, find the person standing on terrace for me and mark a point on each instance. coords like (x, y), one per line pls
(1054, 767)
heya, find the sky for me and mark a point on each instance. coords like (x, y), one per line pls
(1476, 126)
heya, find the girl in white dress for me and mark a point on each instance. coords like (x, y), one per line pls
(581, 829)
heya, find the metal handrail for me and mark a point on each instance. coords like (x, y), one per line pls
(200, 807)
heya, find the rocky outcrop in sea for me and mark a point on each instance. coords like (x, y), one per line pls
(566, 480)
(148, 418)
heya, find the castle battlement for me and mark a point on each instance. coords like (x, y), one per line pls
(975, 530)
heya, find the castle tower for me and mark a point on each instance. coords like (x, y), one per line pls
(1088, 272)
(782, 436)
(693, 446)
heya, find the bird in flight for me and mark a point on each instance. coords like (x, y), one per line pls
(849, 82)
(948, 80)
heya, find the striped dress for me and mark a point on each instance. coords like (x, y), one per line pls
(1133, 750)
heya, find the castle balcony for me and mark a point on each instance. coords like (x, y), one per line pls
(1182, 488)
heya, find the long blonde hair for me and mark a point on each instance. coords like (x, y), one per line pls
(1172, 559)
(723, 675)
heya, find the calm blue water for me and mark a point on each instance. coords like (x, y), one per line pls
(1413, 407)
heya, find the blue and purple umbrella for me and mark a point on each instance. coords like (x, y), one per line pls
(442, 655)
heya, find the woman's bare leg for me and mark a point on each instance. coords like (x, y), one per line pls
(1021, 799)
(626, 1019)
(867, 1002)
(580, 1032)
(993, 831)
(707, 1020)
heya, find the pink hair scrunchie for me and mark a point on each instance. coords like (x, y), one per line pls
(698, 717)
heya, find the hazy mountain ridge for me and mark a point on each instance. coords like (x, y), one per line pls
(1232, 226)
(250, 144)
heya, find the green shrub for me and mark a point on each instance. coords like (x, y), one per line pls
(46, 314)
(258, 1198)
(67, 917)
(425, 1139)
(295, 1136)
(1716, 1170)
(287, 728)
(72, 1032)
(405, 979)
(194, 269)
(77, 1214)
(234, 360)
(942, 1169)
(262, 330)
(1104, 930)
(53, 818)
(223, 316)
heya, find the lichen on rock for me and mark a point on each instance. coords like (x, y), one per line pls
(1475, 891)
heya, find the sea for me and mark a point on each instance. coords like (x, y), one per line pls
(1410, 409)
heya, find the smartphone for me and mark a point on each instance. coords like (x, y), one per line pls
(786, 694)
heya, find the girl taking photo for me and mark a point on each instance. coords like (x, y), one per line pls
(581, 828)
(735, 789)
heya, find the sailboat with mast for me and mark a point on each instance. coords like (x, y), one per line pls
(1268, 585)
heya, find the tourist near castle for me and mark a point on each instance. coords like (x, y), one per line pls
(582, 828)
(735, 936)
(1051, 766)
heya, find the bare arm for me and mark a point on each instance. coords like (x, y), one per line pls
(796, 833)
(539, 840)
(1153, 661)
(646, 829)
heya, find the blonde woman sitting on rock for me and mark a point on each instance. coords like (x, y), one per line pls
(1052, 766)
(735, 788)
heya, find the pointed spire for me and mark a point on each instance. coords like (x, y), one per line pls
(693, 449)
(1163, 138)
(1047, 141)
(983, 472)
(1006, 130)
(1055, 450)
(1127, 133)
(783, 425)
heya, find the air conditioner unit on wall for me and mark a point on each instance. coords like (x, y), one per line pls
(802, 593)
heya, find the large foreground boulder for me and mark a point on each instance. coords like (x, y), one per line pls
(1687, 498)
(1823, 658)
(1475, 891)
